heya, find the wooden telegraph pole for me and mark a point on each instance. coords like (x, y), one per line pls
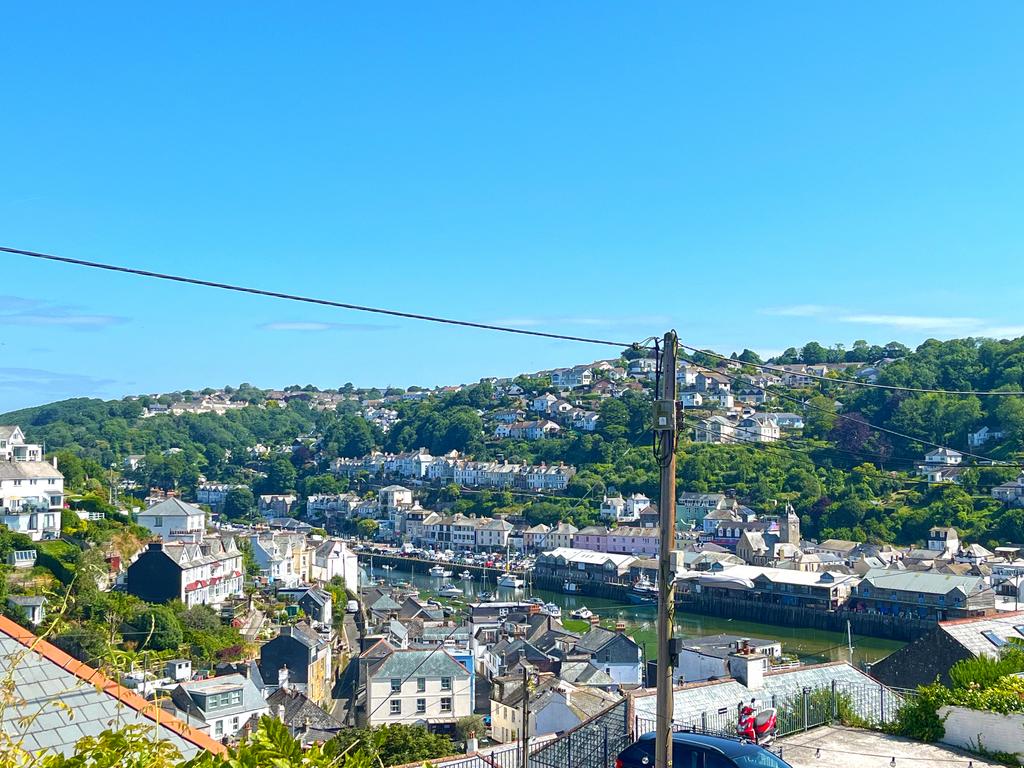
(665, 430)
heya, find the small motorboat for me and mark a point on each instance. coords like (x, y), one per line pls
(487, 597)
(511, 580)
(535, 601)
(552, 610)
(438, 570)
(387, 567)
(582, 613)
(466, 575)
(450, 590)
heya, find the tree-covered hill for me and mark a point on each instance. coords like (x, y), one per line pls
(845, 478)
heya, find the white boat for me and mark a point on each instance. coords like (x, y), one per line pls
(387, 567)
(437, 570)
(583, 613)
(511, 580)
(450, 590)
(535, 601)
(466, 575)
(552, 610)
(487, 597)
(570, 587)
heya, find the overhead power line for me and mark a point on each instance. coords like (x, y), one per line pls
(857, 382)
(313, 300)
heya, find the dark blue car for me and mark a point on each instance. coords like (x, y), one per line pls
(693, 750)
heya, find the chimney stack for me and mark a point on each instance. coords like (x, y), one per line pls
(747, 665)
(282, 677)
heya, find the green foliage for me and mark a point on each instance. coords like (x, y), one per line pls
(919, 718)
(393, 744)
(155, 628)
(239, 504)
(984, 671)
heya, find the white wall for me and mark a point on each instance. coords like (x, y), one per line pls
(970, 728)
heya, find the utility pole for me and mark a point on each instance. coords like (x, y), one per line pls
(665, 431)
(524, 756)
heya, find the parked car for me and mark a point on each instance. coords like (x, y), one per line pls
(693, 750)
(352, 607)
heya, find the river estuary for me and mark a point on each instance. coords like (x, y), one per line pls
(811, 645)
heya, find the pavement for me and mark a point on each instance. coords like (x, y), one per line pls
(855, 748)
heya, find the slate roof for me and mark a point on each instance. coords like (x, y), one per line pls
(693, 699)
(425, 663)
(44, 674)
(171, 507)
(921, 581)
(184, 694)
(584, 673)
(967, 632)
(28, 470)
(299, 709)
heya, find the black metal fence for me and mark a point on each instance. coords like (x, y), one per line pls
(593, 744)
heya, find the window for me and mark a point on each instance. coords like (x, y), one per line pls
(421, 706)
(446, 704)
(396, 707)
(218, 728)
(993, 638)
(1020, 629)
(234, 723)
(396, 685)
(446, 683)
(158, 521)
(421, 684)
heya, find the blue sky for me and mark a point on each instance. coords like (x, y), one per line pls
(753, 174)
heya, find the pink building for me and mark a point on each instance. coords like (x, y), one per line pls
(624, 540)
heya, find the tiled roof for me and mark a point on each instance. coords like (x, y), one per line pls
(45, 674)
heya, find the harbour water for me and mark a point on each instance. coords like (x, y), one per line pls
(812, 646)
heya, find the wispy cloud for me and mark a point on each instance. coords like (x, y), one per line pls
(796, 310)
(17, 310)
(1004, 331)
(313, 327)
(939, 323)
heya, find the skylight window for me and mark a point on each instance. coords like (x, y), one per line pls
(993, 638)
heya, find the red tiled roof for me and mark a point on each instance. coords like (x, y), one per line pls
(101, 682)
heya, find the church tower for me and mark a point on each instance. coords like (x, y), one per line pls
(789, 527)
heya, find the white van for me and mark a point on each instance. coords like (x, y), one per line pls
(352, 607)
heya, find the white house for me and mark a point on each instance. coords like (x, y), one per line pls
(543, 403)
(413, 686)
(221, 705)
(276, 560)
(759, 428)
(31, 497)
(944, 456)
(717, 429)
(14, 448)
(982, 436)
(174, 520)
(692, 399)
(333, 558)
